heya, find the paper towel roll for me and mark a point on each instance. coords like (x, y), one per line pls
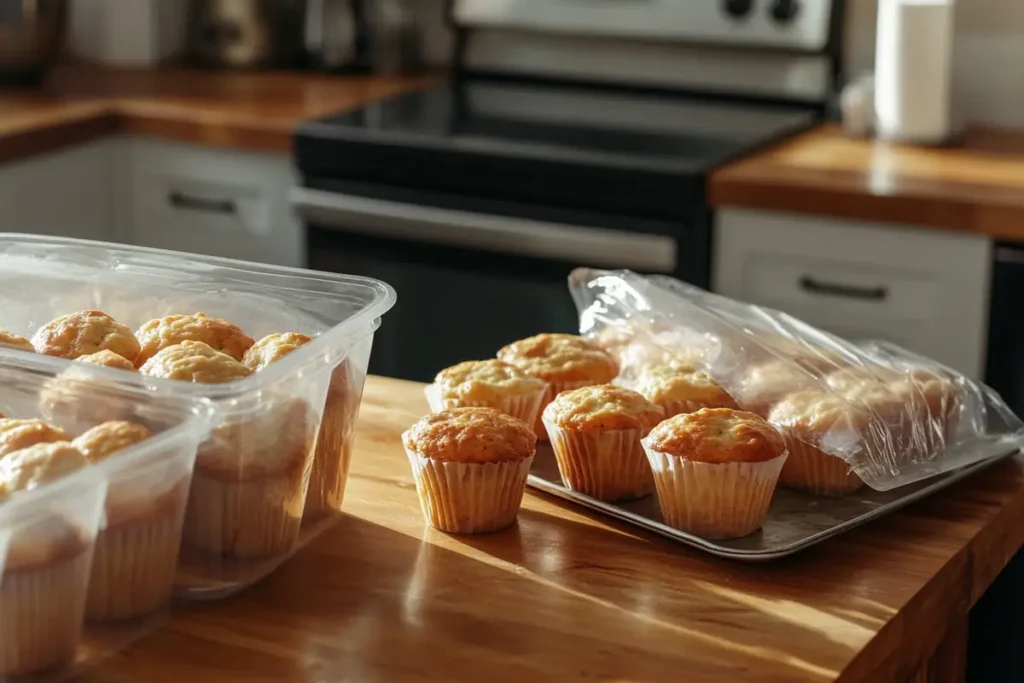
(913, 64)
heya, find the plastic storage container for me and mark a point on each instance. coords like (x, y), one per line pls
(87, 562)
(252, 501)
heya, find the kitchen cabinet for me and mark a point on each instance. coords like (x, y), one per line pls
(924, 289)
(209, 201)
(67, 193)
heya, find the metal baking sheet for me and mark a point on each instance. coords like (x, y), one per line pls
(795, 521)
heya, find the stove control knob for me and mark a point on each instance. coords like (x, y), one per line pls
(738, 8)
(785, 11)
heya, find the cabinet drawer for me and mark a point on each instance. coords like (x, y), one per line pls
(923, 289)
(222, 203)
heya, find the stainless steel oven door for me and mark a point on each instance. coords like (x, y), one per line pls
(468, 282)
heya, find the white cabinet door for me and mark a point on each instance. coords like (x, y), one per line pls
(926, 290)
(208, 201)
(68, 193)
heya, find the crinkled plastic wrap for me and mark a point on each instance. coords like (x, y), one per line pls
(893, 416)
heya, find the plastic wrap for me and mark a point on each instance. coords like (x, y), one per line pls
(892, 416)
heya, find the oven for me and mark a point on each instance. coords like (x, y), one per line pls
(474, 274)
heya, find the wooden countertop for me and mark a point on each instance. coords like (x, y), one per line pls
(975, 184)
(256, 111)
(567, 595)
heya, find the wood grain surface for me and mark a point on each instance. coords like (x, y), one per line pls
(976, 183)
(256, 111)
(566, 595)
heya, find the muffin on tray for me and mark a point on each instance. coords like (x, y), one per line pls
(334, 443)
(564, 361)
(46, 573)
(763, 385)
(85, 332)
(13, 341)
(812, 417)
(137, 550)
(250, 480)
(678, 388)
(219, 334)
(470, 466)
(107, 359)
(491, 384)
(595, 433)
(716, 470)
(18, 434)
(937, 402)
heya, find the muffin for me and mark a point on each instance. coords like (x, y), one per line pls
(490, 384)
(14, 341)
(83, 333)
(18, 434)
(334, 443)
(813, 421)
(682, 389)
(108, 359)
(470, 466)
(715, 470)
(137, 550)
(564, 361)
(595, 433)
(937, 402)
(46, 573)
(219, 334)
(763, 385)
(251, 475)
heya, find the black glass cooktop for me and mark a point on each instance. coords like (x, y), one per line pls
(483, 135)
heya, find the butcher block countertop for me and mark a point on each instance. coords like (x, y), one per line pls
(976, 183)
(566, 595)
(253, 111)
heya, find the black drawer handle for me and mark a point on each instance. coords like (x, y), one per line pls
(809, 284)
(180, 200)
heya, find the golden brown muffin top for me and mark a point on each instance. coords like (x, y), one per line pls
(809, 415)
(273, 348)
(601, 407)
(471, 435)
(662, 383)
(18, 434)
(108, 438)
(193, 361)
(561, 358)
(486, 381)
(29, 468)
(717, 435)
(15, 341)
(84, 332)
(219, 334)
(762, 385)
(108, 359)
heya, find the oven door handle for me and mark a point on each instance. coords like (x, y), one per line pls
(485, 232)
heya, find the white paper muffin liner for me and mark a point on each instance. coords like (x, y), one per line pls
(525, 407)
(811, 470)
(609, 465)
(469, 498)
(41, 615)
(714, 500)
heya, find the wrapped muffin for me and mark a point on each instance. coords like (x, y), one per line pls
(679, 388)
(470, 467)
(564, 361)
(46, 573)
(83, 333)
(595, 433)
(490, 384)
(715, 470)
(218, 334)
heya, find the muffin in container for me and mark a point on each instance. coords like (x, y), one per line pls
(763, 385)
(470, 467)
(564, 361)
(46, 572)
(17, 434)
(83, 333)
(14, 341)
(333, 453)
(715, 470)
(218, 334)
(107, 359)
(808, 419)
(137, 550)
(595, 433)
(679, 388)
(490, 384)
(937, 403)
(250, 478)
